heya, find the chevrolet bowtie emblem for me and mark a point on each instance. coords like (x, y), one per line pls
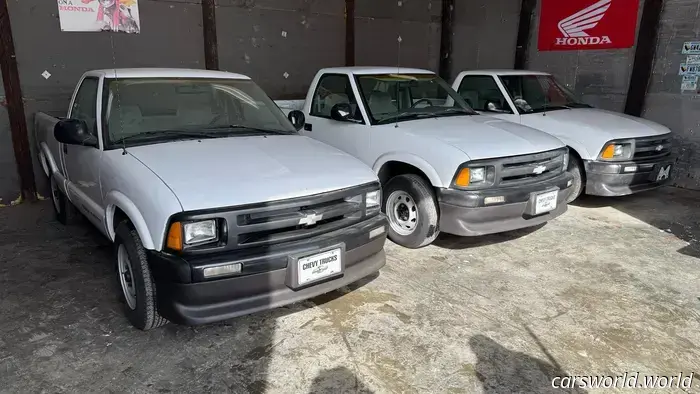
(310, 220)
(539, 170)
(659, 148)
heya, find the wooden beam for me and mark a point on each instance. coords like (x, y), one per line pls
(643, 57)
(446, 38)
(527, 11)
(349, 33)
(15, 106)
(211, 48)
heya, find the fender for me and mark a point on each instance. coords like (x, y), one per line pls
(115, 199)
(576, 146)
(52, 168)
(411, 159)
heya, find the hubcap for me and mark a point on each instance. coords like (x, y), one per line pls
(55, 196)
(126, 276)
(402, 212)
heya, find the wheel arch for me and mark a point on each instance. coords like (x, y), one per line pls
(391, 165)
(120, 207)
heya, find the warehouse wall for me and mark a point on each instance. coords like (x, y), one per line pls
(680, 22)
(280, 43)
(485, 34)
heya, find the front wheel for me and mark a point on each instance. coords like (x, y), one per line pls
(137, 288)
(410, 205)
(576, 170)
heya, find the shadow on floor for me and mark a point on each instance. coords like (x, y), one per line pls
(338, 380)
(504, 371)
(672, 210)
(449, 241)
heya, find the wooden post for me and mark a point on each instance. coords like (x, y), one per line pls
(446, 39)
(211, 49)
(643, 57)
(15, 106)
(527, 9)
(349, 33)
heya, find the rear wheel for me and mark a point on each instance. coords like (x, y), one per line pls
(137, 288)
(410, 205)
(65, 211)
(576, 169)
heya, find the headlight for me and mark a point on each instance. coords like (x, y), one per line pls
(566, 160)
(198, 232)
(617, 151)
(470, 175)
(373, 201)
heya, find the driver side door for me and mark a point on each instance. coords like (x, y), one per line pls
(484, 95)
(351, 136)
(82, 162)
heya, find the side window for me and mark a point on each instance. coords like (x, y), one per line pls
(333, 89)
(85, 104)
(482, 93)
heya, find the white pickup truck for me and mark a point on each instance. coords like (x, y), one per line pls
(611, 154)
(217, 207)
(443, 167)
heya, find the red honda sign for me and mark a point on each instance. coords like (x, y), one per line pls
(587, 24)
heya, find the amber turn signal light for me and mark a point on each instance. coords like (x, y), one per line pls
(608, 152)
(175, 237)
(463, 178)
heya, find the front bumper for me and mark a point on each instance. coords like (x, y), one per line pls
(465, 213)
(611, 178)
(184, 296)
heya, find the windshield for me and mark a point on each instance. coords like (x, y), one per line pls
(400, 97)
(539, 93)
(142, 110)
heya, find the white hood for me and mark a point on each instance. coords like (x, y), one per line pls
(233, 171)
(483, 137)
(612, 125)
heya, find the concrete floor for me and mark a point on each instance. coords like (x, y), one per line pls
(613, 286)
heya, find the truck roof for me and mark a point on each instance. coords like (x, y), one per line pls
(164, 73)
(365, 70)
(503, 72)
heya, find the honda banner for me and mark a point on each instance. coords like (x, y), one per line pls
(99, 15)
(587, 24)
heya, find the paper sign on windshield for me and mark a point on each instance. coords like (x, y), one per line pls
(99, 15)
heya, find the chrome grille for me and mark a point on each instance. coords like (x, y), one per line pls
(518, 170)
(652, 147)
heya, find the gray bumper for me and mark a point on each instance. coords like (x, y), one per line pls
(610, 179)
(464, 213)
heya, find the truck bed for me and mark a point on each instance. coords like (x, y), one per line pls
(47, 146)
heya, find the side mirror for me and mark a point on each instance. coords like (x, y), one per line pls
(297, 118)
(342, 112)
(73, 132)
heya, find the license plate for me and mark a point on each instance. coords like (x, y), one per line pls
(664, 173)
(546, 202)
(319, 266)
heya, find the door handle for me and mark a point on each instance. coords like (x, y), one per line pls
(308, 127)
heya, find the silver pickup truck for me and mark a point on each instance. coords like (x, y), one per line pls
(216, 206)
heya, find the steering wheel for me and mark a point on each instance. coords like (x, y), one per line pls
(430, 103)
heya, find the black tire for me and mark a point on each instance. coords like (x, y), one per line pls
(145, 314)
(426, 224)
(576, 169)
(65, 211)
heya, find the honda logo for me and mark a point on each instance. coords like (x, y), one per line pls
(539, 170)
(574, 26)
(310, 219)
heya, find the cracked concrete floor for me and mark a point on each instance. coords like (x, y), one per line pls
(612, 286)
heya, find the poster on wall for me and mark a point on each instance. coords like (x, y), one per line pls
(587, 24)
(99, 15)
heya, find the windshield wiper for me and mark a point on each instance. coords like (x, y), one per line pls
(243, 127)
(405, 116)
(168, 133)
(456, 111)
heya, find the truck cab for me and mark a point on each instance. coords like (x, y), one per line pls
(611, 154)
(443, 167)
(217, 207)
